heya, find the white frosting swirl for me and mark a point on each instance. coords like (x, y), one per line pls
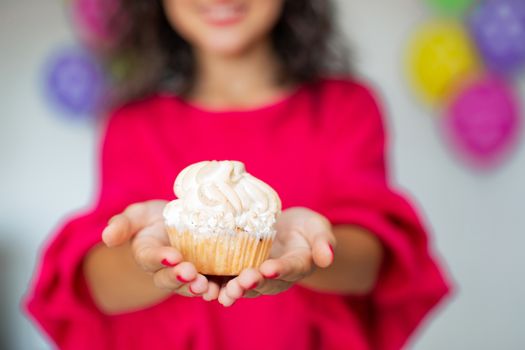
(216, 197)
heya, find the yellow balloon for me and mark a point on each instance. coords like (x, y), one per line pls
(439, 56)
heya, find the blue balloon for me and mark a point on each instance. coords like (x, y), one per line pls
(498, 28)
(75, 82)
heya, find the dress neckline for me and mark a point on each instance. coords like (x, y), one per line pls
(276, 103)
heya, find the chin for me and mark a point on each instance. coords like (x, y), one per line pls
(225, 46)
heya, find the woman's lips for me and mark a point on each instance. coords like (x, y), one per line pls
(223, 14)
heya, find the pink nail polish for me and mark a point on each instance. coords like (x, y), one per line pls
(331, 250)
(253, 286)
(182, 279)
(191, 291)
(165, 262)
(272, 276)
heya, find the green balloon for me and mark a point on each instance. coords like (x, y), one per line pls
(120, 68)
(451, 7)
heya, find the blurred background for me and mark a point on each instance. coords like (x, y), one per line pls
(467, 177)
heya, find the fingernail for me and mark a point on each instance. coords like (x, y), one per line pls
(272, 276)
(107, 241)
(191, 291)
(111, 219)
(165, 262)
(331, 250)
(253, 286)
(182, 279)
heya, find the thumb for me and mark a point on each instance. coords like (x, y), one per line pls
(122, 227)
(318, 233)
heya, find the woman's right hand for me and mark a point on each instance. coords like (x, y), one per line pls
(142, 226)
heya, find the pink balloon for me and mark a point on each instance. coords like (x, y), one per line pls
(93, 19)
(482, 122)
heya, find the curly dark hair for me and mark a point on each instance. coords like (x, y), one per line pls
(305, 39)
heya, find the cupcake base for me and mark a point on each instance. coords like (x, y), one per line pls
(220, 255)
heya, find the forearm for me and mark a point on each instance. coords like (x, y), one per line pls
(117, 283)
(357, 260)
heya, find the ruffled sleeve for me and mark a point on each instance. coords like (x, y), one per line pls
(357, 192)
(59, 300)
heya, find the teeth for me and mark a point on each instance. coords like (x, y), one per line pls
(222, 12)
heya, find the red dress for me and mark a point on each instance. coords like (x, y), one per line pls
(321, 147)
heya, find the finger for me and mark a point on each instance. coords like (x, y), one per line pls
(173, 278)
(212, 293)
(249, 284)
(239, 287)
(193, 289)
(123, 226)
(265, 286)
(250, 280)
(323, 251)
(199, 286)
(150, 249)
(291, 267)
(231, 292)
(318, 232)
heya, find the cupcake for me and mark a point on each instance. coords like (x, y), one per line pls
(224, 218)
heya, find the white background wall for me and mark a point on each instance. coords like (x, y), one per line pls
(46, 171)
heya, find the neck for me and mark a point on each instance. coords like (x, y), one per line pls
(241, 80)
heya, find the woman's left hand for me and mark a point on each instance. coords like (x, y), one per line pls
(304, 242)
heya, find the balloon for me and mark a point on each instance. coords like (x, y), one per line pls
(75, 82)
(94, 20)
(451, 7)
(498, 28)
(482, 122)
(439, 56)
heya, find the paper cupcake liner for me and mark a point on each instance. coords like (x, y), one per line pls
(221, 255)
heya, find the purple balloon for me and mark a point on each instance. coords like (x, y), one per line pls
(75, 82)
(498, 28)
(482, 122)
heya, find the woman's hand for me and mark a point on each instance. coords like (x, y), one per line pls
(142, 226)
(304, 242)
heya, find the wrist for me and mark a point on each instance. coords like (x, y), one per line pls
(357, 261)
(116, 282)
